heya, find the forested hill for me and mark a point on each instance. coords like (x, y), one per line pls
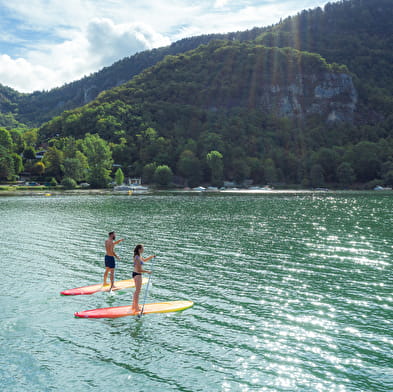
(357, 33)
(217, 79)
(38, 107)
(231, 110)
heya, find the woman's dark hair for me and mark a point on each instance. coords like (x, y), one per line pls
(136, 250)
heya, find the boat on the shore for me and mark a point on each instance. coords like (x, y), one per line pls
(133, 188)
(382, 188)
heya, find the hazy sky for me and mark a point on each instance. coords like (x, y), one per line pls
(46, 43)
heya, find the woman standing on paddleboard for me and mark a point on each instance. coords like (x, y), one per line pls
(137, 274)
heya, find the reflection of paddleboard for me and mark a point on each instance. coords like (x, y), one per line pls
(121, 311)
(95, 288)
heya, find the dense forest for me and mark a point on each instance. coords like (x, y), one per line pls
(307, 102)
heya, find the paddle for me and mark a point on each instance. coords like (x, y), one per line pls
(147, 288)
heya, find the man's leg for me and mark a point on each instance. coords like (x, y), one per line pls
(112, 276)
(106, 275)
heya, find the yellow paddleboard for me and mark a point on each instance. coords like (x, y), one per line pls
(121, 311)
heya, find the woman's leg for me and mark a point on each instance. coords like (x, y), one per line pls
(135, 300)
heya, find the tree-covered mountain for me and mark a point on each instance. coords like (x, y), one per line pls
(295, 103)
(220, 77)
(40, 106)
(357, 33)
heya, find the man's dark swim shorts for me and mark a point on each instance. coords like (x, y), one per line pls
(110, 261)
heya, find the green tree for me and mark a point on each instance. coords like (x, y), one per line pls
(69, 146)
(161, 150)
(30, 137)
(124, 152)
(70, 123)
(214, 160)
(154, 148)
(366, 162)
(210, 141)
(388, 178)
(256, 170)
(270, 170)
(5, 139)
(191, 145)
(119, 176)
(317, 176)
(83, 166)
(189, 167)
(345, 174)
(241, 170)
(68, 183)
(19, 143)
(53, 160)
(163, 175)
(108, 127)
(6, 164)
(146, 143)
(18, 163)
(99, 158)
(148, 172)
(328, 159)
(387, 170)
(75, 168)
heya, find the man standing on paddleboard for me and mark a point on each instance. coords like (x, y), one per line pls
(110, 263)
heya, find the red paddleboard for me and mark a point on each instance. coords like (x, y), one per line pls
(95, 288)
(121, 311)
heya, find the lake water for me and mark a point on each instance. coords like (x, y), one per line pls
(292, 292)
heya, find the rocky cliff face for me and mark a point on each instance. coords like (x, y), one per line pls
(330, 95)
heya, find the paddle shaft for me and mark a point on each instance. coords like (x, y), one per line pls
(147, 289)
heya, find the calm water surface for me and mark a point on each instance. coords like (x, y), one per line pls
(292, 292)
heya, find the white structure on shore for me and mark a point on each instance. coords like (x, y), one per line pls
(134, 185)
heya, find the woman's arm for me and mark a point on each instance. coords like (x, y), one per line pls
(138, 266)
(147, 258)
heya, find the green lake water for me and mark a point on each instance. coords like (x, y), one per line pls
(293, 292)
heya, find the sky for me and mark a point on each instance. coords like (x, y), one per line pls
(47, 43)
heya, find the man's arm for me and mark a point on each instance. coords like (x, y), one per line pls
(118, 241)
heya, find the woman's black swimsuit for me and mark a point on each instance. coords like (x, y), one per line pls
(135, 274)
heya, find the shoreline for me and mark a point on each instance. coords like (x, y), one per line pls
(110, 192)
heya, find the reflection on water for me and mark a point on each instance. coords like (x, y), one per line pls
(292, 292)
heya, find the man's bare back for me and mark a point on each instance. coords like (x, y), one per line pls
(110, 247)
